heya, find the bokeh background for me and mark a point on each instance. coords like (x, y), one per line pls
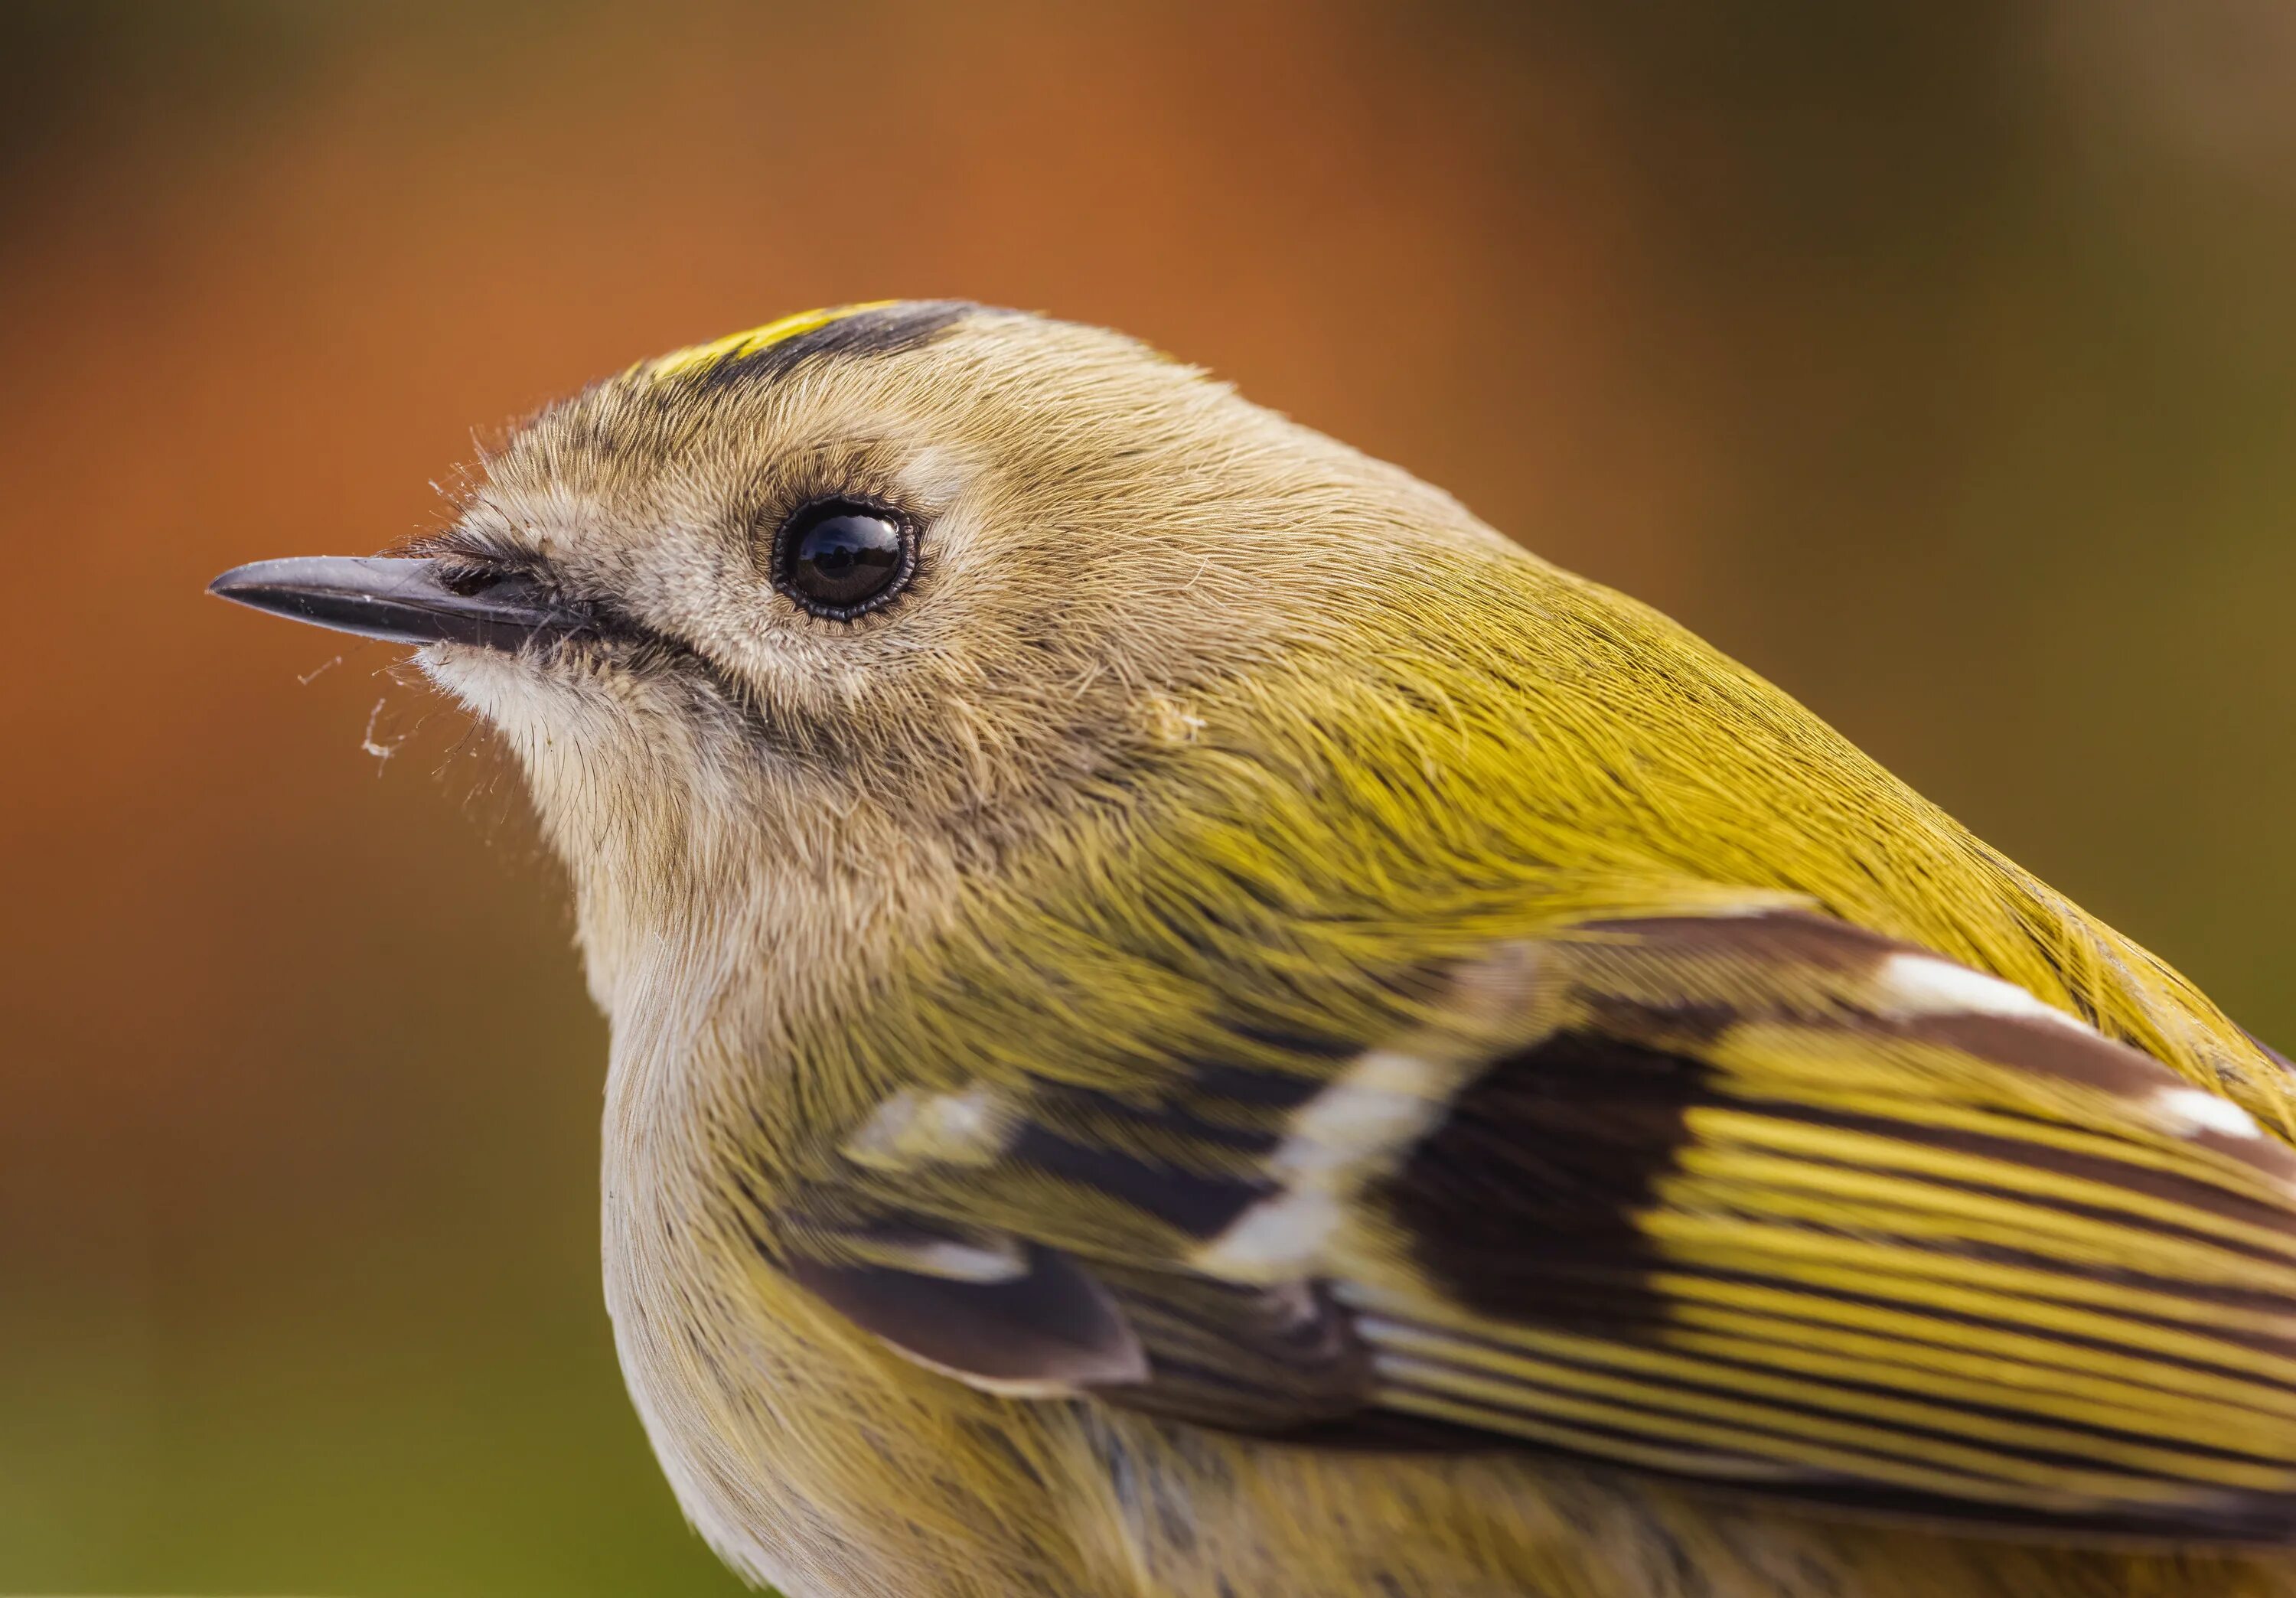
(1936, 358)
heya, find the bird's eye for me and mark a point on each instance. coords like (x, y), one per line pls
(839, 559)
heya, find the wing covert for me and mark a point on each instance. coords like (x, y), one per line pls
(1764, 1199)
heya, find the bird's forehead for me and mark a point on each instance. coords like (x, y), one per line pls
(715, 414)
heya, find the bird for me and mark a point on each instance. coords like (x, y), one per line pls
(1190, 1021)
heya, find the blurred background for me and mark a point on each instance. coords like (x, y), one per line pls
(1939, 359)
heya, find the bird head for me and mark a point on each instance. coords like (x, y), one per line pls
(848, 610)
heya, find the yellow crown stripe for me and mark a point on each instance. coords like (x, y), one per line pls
(734, 345)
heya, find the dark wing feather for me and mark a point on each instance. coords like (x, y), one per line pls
(1024, 1320)
(1765, 1200)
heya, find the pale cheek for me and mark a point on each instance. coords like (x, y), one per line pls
(540, 711)
(500, 689)
(611, 765)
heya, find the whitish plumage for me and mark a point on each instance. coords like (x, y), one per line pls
(1190, 1021)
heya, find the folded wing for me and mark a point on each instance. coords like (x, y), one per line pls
(1763, 1200)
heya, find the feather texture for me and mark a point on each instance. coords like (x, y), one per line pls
(1243, 1034)
(1763, 1200)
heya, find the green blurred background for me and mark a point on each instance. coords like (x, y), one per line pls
(1939, 359)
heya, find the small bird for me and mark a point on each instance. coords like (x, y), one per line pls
(1190, 1022)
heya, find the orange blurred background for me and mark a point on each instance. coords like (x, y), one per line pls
(1938, 359)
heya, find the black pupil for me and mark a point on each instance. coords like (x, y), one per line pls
(844, 554)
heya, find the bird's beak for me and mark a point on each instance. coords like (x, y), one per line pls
(404, 601)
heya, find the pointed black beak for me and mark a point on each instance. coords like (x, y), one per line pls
(404, 601)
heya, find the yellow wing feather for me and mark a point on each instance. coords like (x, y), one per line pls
(1900, 1253)
(1761, 1198)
